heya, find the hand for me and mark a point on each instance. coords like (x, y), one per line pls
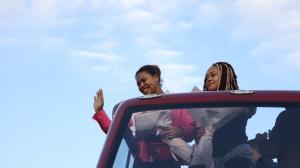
(260, 137)
(98, 101)
(172, 132)
(255, 154)
(199, 133)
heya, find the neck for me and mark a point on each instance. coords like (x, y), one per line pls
(159, 91)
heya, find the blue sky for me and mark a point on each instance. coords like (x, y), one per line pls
(55, 54)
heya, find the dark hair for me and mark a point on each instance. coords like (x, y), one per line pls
(152, 70)
(228, 79)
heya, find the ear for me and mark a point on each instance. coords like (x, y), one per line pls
(156, 78)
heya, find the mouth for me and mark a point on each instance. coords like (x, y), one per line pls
(211, 83)
(145, 90)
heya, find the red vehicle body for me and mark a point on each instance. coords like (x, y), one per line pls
(187, 100)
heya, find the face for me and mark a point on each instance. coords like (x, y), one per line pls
(213, 77)
(147, 83)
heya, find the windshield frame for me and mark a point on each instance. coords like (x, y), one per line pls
(187, 100)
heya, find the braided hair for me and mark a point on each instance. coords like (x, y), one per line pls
(228, 78)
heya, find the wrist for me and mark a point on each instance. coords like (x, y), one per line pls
(98, 115)
(181, 132)
(98, 109)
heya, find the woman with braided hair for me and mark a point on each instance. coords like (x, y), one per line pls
(221, 132)
(220, 76)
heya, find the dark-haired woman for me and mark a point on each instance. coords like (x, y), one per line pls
(148, 79)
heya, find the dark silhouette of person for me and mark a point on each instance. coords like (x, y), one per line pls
(283, 142)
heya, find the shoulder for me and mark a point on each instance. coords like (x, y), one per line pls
(115, 108)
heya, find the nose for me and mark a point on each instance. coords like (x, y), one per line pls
(208, 78)
(141, 85)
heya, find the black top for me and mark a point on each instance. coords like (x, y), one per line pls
(230, 135)
(265, 163)
(284, 140)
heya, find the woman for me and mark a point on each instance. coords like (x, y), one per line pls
(148, 79)
(230, 148)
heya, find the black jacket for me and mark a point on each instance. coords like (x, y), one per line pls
(284, 141)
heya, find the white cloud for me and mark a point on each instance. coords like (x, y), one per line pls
(96, 55)
(178, 68)
(162, 26)
(161, 54)
(140, 15)
(267, 18)
(6, 6)
(209, 13)
(271, 28)
(293, 59)
(182, 25)
(99, 5)
(100, 65)
(144, 40)
(131, 3)
(10, 41)
(178, 77)
(284, 43)
(107, 46)
(33, 16)
(38, 41)
(45, 8)
(52, 42)
(93, 35)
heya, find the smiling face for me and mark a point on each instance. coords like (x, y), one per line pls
(212, 78)
(147, 83)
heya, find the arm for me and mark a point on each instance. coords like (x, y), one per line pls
(265, 163)
(100, 115)
(183, 126)
(188, 125)
(272, 147)
(182, 120)
(102, 120)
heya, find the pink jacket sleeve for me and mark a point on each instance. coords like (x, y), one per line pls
(181, 118)
(102, 120)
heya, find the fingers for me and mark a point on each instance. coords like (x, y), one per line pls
(167, 134)
(99, 94)
(265, 134)
(260, 138)
(164, 132)
(171, 132)
(168, 130)
(200, 132)
(98, 101)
